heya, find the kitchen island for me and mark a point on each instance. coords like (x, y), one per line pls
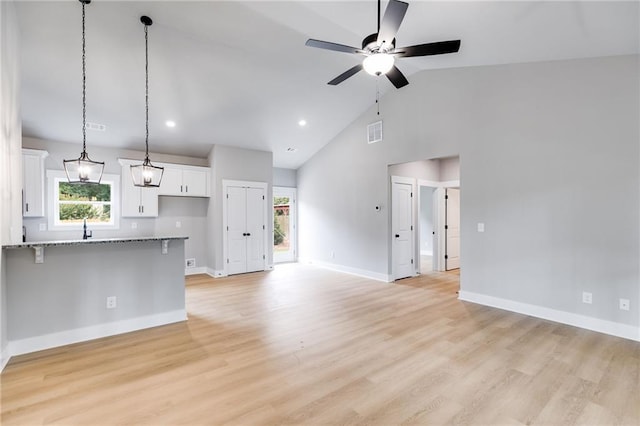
(62, 292)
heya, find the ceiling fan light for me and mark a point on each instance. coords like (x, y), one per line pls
(378, 63)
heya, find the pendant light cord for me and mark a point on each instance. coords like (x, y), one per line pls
(84, 89)
(146, 95)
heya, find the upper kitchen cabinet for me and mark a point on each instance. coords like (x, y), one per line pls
(136, 201)
(185, 181)
(33, 182)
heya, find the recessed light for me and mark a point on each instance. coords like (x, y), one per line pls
(170, 123)
(302, 123)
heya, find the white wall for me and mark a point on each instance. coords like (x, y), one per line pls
(285, 177)
(228, 163)
(190, 212)
(10, 155)
(536, 142)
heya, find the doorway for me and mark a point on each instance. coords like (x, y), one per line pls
(428, 226)
(452, 229)
(284, 224)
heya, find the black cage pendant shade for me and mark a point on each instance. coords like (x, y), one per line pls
(83, 169)
(146, 174)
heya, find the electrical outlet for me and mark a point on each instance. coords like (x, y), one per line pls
(332, 254)
(42, 227)
(624, 304)
(111, 302)
(178, 224)
(134, 225)
(190, 263)
(587, 297)
(480, 227)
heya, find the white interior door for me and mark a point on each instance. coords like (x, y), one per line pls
(402, 229)
(255, 229)
(236, 230)
(452, 229)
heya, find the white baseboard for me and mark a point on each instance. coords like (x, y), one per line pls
(349, 270)
(195, 271)
(595, 324)
(53, 340)
(216, 273)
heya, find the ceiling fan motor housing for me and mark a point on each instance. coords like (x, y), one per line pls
(370, 44)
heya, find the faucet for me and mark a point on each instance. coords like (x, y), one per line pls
(86, 235)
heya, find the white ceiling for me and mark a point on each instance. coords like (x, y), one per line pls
(238, 73)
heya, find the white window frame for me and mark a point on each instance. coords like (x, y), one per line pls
(56, 176)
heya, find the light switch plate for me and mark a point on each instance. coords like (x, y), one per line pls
(480, 227)
(624, 304)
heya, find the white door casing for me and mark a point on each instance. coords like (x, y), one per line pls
(402, 230)
(452, 229)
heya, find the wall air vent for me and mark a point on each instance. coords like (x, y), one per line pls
(96, 127)
(374, 132)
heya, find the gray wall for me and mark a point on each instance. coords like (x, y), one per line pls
(449, 169)
(423, 169)
(10, 155)
(190, 212)
(536, 142)
(228, 163)
(285, 177)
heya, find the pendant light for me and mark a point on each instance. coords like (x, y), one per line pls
(146, 174)
(83, 169)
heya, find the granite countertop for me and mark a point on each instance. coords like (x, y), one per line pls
(31, 244)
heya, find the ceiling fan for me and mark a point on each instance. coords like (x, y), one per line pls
(379, 48)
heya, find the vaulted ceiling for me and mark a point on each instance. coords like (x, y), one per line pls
(238, 72)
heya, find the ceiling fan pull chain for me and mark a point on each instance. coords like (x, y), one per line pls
(378, 94)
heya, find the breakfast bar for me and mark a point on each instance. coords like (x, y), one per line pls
(62, 292)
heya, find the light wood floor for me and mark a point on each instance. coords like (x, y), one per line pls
(301, 345)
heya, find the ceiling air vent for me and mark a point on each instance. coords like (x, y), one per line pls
(96, 127)
(374, 132)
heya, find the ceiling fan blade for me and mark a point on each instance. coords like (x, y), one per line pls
(397, 78)
(345, 75)
(437, 48)
(390, 24)
(332, 46)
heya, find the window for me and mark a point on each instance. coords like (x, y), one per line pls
(70, 204)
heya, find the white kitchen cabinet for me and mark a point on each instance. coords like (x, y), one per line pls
(185, 181)
(137, 201)
(33, 182)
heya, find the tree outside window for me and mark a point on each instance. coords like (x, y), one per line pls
(77, 202)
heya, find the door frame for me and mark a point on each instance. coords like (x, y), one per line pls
(412, 182)
(292, 193)
(267, 228)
